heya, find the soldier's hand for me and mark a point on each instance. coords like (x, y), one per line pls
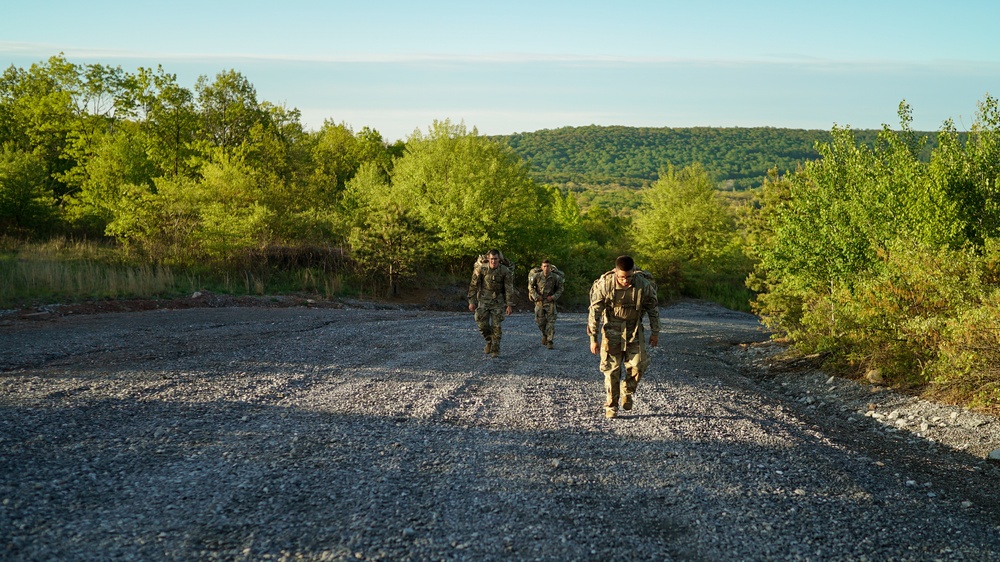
(654, 340)
(593, 347)
(550, 299)
(509, 310)
(472, 307)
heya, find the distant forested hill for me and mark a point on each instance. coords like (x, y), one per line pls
(596, 160)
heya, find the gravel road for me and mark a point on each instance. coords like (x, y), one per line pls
(367, 433)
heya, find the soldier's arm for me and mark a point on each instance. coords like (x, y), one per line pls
(532, 292)
(508, 286)
(595, 312)
(651, 307)
(558, 289)
(595, 316)
(474, 286)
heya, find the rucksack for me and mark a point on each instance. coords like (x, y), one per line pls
(537, 270)
(647, 276)
(483, 262)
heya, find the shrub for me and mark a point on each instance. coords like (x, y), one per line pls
(896, 320)
(969, 359)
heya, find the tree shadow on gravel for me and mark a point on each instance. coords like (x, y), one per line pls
(148, 479)
(175, 468)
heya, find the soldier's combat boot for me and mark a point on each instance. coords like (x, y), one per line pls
(495, 349)
(489, 347)
(610, 413)
(627, 402)
(548, 344)
(545, 340)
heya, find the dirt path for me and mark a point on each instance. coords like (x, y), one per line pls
(327, 434)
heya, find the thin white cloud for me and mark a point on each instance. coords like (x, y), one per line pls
(45, 50)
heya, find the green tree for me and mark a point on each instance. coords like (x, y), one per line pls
(365, 193)
(158, 223)
(233, 218)
(389, 245)
(228, 108)
(103, 99)
(39, 115)
(119, 159)
(566, 217)
(337, 154)
(685, 232)
(388, 242)
(472, 192)
(26, 206)
(167, 115)
(969, 172)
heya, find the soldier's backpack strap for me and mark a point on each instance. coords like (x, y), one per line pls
(609, 286)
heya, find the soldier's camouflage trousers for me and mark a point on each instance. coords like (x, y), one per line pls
(545, 317)
(622, 347)
(489, 318)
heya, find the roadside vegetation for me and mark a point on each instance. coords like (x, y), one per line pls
(886, 265)
(875, 250)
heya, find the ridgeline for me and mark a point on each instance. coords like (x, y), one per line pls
(598, 162)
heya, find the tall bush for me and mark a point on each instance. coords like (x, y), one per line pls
(687, 235)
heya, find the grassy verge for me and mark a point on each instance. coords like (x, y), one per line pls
(63, 270)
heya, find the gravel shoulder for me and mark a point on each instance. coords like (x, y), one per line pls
(296, 431)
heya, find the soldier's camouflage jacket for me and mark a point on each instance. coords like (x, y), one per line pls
(491, 287)
(540, 286)
(620, 310)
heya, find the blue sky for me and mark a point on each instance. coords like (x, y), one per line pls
(516, 66)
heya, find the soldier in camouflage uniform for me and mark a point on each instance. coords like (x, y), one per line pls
(618, 300)
(544, 289)
(490, 289)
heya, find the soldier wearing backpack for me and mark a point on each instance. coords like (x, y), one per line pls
(618, 301)
(545, 286)
(491, 287)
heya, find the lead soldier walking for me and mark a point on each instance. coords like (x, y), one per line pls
(618, 300)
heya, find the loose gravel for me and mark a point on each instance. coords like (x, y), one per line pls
(365, 433)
